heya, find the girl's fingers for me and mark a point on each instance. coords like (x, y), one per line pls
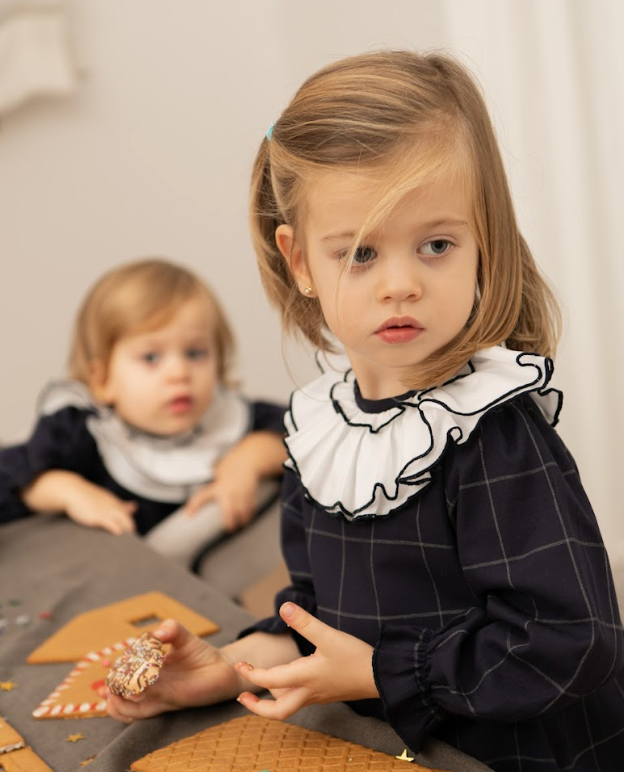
(311, 628)
(286, 705)
(124, 710)
(287, 676)
(170, 631)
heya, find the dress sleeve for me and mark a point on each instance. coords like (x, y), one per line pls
(59, 441)
(544, 628)
(295, 551)
(268, 416)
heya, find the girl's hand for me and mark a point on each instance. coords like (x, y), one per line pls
(340, 669)
(194, 673)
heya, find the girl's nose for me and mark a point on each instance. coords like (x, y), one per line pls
(399, 279)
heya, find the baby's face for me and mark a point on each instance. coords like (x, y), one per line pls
(163, 381)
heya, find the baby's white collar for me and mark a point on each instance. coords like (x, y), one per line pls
(158, 468)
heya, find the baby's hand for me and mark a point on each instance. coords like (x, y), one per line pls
(235, 490)
(340, 669)
(95, 507)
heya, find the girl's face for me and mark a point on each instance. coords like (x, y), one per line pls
(163, 381)
(411, 287)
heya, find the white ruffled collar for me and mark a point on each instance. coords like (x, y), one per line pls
(158, 468)
(366, 458)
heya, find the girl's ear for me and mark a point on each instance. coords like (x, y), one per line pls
(98, 381)
(292, 253)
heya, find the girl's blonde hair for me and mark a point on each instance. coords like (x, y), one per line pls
(138, 297)
(409, 119)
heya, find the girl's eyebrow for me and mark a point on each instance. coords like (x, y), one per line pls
(438, 223)
(449, 221)
(339, 236)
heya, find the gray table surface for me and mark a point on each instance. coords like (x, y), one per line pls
(52, 564)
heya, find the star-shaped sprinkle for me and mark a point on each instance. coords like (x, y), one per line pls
(404, 756)
(73, 738)
(6, 686)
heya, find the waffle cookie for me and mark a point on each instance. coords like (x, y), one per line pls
(106, 625)
(15, 755)
(254, 744)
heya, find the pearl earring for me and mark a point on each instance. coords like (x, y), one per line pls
(307, 290)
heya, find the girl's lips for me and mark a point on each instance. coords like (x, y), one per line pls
(399, 334)
(400, 330)
(180, 405)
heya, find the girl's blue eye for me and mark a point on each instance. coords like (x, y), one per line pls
(151, 357)
(363, 255)
(436, 248)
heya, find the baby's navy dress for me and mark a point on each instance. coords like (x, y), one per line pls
(74, 434)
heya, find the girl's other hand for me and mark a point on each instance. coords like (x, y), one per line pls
(340, 669)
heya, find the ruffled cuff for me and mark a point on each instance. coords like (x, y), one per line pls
(401, 669)
(276, 625)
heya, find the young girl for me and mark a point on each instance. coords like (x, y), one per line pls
(448, 574)
(149, 420)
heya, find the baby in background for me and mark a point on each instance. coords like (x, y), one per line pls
(149, 434)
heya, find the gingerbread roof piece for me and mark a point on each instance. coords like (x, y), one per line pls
(15, 755)
(94, 630)
(75, 696)
(254, 743)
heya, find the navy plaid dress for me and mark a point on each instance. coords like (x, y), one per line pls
(487, 597)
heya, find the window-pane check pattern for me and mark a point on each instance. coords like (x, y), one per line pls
(488, 598)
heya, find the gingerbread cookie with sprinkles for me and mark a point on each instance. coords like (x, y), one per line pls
(137, 668)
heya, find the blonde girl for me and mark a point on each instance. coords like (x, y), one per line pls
(149, 421)
(448, 574)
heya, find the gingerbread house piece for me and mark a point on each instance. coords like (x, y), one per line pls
(15, 755)
(76, 695)
(101, 627)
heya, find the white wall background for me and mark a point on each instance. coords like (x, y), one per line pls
(151, 156)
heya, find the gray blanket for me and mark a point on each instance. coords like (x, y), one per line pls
(50, 564)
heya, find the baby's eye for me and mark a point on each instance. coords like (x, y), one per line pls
(196, 353)
(436, 247)
(150, 357)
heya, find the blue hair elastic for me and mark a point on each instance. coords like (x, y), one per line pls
(269, 132)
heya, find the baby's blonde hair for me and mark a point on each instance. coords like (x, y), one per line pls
(138, 297)
(409, 119)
